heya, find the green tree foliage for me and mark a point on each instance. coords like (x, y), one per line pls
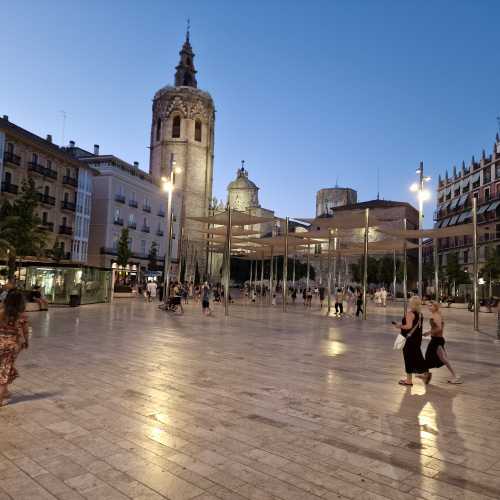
(56, 253)
(491, 269)
(123, 252)
(197, 274)
(153, 256)
(454, 272)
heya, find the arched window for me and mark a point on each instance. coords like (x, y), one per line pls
(176, 127)
(46, 191)
(158, 129)
(197, 130)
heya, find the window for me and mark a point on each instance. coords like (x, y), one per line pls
(130, 243)
(49, 164)
(115, 242)
(10, 147)
(146, 222)
(8, 178)
(476, 184)
(498, 232)
(61, 246)
(466, 256)
(486, 175)
(66, 197)
(487, 194)
(64, 221)
(45, 217)
(34, 158)
(176, 127)
(197, 130)
(120, 191)
(117, 214)
(457, 192)
(497, 171)
(476, 195)
(133, 196)
(158, 129)
(143, 247)
(68, 172)
(131, 219)
(46, 191)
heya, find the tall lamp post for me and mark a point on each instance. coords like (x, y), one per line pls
(422, 195)
(168, 187)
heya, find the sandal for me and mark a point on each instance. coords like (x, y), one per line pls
(427, 379)
(404, 382)
(456, 381)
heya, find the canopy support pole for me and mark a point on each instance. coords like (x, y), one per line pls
(405, 273)
(476, 270)
(334, 264)
(436, 270)
(261, 277)
(251, 276)
(308, 260)
(271, 277)
(329, 279)
(285, 267)
(365, 262)
(293, 273)
(227, 270)
(394, 274)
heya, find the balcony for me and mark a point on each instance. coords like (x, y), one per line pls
(108, 251)
(120, 198)
(159, 232)
(132, 225)
(47, 226)
(146, 208)
(70, 181)
(65, 230)
(50, 173)
(36, 167)
(133, 203)
(161, 213)
(68, 205)
(118, 222)
(9, 157)
(46, 199)
(8, 187)
(145, 229)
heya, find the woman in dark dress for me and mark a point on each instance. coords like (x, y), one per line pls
(435, 355)
(411, 329)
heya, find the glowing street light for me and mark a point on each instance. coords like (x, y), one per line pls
(422, 195)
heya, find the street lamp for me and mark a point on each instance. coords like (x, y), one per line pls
(422, 195)
(168, 187)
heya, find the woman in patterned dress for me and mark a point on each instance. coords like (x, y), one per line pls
(13, 338)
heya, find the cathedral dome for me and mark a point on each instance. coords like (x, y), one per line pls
(242, 181)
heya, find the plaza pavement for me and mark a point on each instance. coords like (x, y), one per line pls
(126, 401)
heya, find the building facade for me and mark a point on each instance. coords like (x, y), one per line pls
(329, 198)
(125, 197)
(182, 138)
(63, 184)
(480, 180)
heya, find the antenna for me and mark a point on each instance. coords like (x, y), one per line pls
(188, 29)
(63, 113)
(378, 183)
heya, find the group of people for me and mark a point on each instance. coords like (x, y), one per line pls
(380, 297)
(411, 327)
(14, 336)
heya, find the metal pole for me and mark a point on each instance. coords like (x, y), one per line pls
(271, 277)
(436, 270)
(476, 267)
(405, 272)
(329, 280)
(365, 258)
(285, 267)
(169, 238)
(293, 273)
(228, 262)
(420, 226)
(251, 276)
(394, 274)
(308, 260)
(335, 264)
(179, 254)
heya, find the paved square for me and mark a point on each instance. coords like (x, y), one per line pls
(125, 401)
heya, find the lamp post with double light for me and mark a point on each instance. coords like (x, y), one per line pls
(422, 195)
(168, 187)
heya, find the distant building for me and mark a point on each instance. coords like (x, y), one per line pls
(243, 195)
(480, 180)
(63, 183)
(124, 197)
(330, 198)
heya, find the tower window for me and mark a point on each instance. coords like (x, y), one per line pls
(197, 130)
(176, 127)
(158, 129)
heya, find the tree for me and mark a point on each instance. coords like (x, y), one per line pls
(153, 256)
(454, 272)
(196, 274)
(123, 252)
(56, 253)
(491, 269)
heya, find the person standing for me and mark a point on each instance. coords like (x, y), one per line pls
(359, 303)
(205, 299)
(383, 297)
(13, 338)
(151, 287)
(411, 329)
(339, 303)
(435, 355)
(321, 296)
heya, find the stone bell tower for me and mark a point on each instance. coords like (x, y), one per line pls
(182, 137)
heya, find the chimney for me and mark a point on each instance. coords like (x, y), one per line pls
(136, 164)
(6, 117)
(71, 144)
(49, 138)
(96, 149)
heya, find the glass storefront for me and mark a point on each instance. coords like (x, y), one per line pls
(59, 284)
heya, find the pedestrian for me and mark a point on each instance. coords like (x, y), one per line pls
(205, 299)
(321, 296)
(151, 288)
(13, 338)
(294, 295)
(273, 302)
(383, 297)
(435, 355)
(411, 329)
(339, 303)
(359, 302)
(351, 302)
(309, 297)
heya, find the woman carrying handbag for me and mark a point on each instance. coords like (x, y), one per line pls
(411, 329)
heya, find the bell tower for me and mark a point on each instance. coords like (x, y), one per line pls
(182, 137)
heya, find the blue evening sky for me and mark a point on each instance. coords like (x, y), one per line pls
(307, 93)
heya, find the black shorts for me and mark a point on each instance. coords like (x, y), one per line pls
(205, 304)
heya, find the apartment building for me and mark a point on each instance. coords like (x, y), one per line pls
(480, 180)
(63, 183)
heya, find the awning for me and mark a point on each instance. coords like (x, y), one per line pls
(462, 199)
(465, 182)
(493, 206)
(475, 177)
(445, 222)
(453, 220)
(437, 225)
(465, 216)
(447, 191)
(482, 209)
(444, 206)
(456, 186)
(453, 203)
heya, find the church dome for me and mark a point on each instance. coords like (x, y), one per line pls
(242, 181)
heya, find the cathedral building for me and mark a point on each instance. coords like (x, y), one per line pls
(182, 139)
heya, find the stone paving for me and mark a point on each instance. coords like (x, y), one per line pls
(126, 401)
